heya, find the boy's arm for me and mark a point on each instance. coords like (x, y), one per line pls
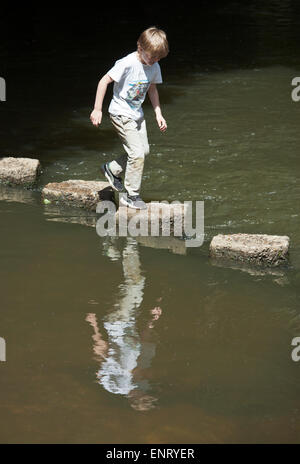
(96, 115)
(154, 98)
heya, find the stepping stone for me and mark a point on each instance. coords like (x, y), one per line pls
(19, 171)
(79, 193)
(163, 213)
(269, 250)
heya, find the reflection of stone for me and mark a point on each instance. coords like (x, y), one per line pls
(176, 245)
(22, 171)
(79, 193)
(269, 250)
(250, 269)
(18, 194)
(55, 213)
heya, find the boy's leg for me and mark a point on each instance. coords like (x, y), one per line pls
(118, 165)
(142, 129)
(135, 142)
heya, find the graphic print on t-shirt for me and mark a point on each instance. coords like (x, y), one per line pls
(137, 92)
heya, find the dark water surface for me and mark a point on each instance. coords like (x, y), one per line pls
(121, 340)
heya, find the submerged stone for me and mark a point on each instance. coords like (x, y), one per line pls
(268, 250)
(79, 193)
(19, 171)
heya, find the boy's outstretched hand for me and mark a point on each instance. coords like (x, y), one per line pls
(96, 117)
(161, 123)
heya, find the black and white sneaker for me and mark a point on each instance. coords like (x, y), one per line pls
(133, 202)
(114, 181)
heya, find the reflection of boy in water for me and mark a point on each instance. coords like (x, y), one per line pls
(126, 353)
(122, 365)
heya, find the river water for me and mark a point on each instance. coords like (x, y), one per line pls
(120, 340)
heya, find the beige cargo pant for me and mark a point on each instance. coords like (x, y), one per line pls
(133, 135)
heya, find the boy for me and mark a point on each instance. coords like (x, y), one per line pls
(133, 76)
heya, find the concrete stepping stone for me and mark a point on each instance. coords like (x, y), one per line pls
(164, 214)
(19, 171)
(79, 193)
(269, 250)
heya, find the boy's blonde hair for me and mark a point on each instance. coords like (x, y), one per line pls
(154, 41)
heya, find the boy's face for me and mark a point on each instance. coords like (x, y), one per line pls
(147, 58)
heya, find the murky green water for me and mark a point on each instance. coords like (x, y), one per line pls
(124, 341)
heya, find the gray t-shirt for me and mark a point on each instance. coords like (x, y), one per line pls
(132, 81)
